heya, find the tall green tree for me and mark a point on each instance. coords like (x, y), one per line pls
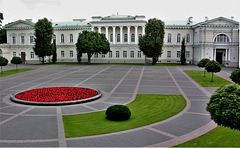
(1, 18)
(92, 42)
(3, 62)
(203, 64)
(213, 67)
(3, 36)
(151, 43)
(43, 37)
(16, 60)
(183, 52)
(54, 58)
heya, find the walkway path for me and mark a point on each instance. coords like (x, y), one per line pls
(35, 126)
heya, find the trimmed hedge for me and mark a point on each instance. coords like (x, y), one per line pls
(235, 75)
(224, 106)
(118, 113)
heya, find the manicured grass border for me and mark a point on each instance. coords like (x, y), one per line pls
(84, 63)
(218, 137)
(206, 81)
(146, 109)
(14, 71)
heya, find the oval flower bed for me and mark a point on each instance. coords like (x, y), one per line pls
(56, 95)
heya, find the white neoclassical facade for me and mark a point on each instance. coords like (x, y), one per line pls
(216, 39)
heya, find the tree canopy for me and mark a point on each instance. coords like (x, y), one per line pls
(3, 62)
(213, 67)
(90, 42)
(203, 64)
(16, 60)
(151, 43)
(43, 38)
(235, 76)
(183, 52)
(3, 36)
(1, 18)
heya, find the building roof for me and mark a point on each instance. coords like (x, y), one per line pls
(74, 23)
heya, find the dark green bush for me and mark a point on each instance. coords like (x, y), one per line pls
(235, 75)
(118, 113)
(224, 106)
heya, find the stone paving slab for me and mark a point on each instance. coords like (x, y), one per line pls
(100, 105)
(45, 111)
(4, 117)
(157, 83)
(13, 109)
(32, 144)
(118, 100)
(183, 124)
(75, 109)
(158, 90)
(198, 106)
(29, 128)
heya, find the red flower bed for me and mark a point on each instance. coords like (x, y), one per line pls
(56, 94)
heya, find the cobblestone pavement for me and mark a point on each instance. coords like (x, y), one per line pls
(42, 126)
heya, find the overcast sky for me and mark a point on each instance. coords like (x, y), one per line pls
(66, 10)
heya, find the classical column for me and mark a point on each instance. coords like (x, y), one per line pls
(136, 34)
(114, 34)
(215, 54)
(128, 34)
(229, 55)
(121, 34)
(106, 32)
(99, 29)
(143, 30)
(226, 55)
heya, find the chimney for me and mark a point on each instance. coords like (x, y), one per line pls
(232, 17)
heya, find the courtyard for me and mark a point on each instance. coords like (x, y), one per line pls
(42, 126)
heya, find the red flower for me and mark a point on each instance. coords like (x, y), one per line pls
(56, 94)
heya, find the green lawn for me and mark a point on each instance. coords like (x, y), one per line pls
(85, 63)
(14, 71)
(206, 81)
(218, 137)
(146, 109)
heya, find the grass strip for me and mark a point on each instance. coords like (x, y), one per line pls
(146, 109)
(218, 137)
(14, 71)
(206, 81)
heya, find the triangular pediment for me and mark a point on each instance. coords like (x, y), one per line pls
(19, 24)
(220, 21)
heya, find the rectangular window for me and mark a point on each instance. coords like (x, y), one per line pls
(95, 55)
(62, 54)
(117, 54)
(32, 55)
(31, 39)
(187, 54)
(14, 40)
(22, 40)
(178, 54)
(139, 54)
(132, 54)
(169, 54)
(110, 54)
(14, 54)
(71, 53)
(125, 54)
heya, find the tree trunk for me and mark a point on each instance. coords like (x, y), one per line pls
(154, 60)
(43, 60)
(1, 70)
(212, 76)
(89, 58)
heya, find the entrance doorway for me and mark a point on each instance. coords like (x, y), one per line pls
(219, 57)
(23, 56)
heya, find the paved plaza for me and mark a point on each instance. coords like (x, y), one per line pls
(42, 126)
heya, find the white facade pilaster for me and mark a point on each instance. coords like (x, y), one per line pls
(92, 28)
(215, 54)
(226, 55)
(136, 34)
(143, 30)
(106, 32)
(114, 34)
(229, 54)
(121, 34)
(128, 29)
(99, 30)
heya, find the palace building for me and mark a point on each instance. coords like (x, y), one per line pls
(216, 39)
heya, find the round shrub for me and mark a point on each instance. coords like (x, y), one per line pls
(235, 75)
(224, 106)
(118, 113)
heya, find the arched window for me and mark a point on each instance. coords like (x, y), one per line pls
(222, 38)
(14, 39)
(178, 38)
(133, 38)
(118, 37)
(125, 38)
(62, 38)
(71, 38)
(54, 37)
(111, 37)
(188, 38)
(169, 39)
